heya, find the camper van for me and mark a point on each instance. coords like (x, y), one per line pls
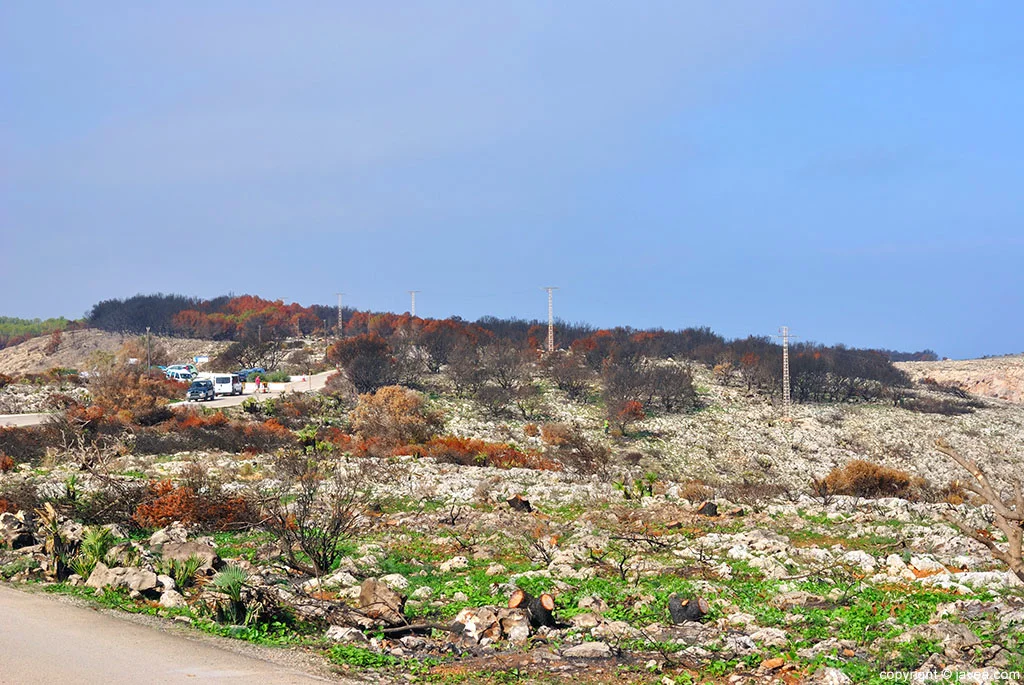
(224, 383)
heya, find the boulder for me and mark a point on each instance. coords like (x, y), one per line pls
(172, 599)
(395, 581)
(380, 602)
(347, 635)
(593, 603)
(585, 621)
(589, 650)
(422, 593)
(770, 637)
(515, 625)
(137, 580)
(338, 579)
(181, 551)
(176, 532)
(479, 623)
(454, 563)
(830, 676)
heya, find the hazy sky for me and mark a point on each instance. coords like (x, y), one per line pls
(851, 169)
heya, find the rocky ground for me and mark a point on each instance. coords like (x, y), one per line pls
(698, 553)
(798, 590)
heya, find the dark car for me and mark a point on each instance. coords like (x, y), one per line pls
(247, 374)
(200, 390)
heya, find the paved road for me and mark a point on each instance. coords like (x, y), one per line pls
(314, 382)
(22, 419)
(46, 640)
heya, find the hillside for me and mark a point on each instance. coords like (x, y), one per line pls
(998, 377)
(76, 347)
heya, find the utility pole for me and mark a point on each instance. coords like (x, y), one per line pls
(259, 333)
(149, 355)
(412, 309)
(786, 400)
(341, 328)
(551, 317)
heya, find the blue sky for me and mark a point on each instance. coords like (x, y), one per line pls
(851, 169)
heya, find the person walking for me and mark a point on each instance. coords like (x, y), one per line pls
(257, 384)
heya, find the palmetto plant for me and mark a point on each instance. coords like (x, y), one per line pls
(183, 572)
(95, 545)
(58, 548)
(231, 580)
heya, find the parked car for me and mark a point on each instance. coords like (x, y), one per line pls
(247, 374)
(180, 375)
(224, 383)
(200, 390)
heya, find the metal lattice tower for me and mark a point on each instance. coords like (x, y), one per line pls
(341, 329)
(412, 307)
(786, 398)
(551, 317)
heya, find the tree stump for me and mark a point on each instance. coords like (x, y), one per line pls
(519, 503)
(708, 509)
(538, 609)
(687, 610)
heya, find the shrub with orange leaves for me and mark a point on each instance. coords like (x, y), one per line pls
(166, 502)
(451, 449)
(140, 395)
(6, 463)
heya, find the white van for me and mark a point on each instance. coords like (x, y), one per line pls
(224, 383)
(180, 375)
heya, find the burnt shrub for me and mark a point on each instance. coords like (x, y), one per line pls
(26, 443)
(579, 454)
(368, 361)
(395, 416)
(337, 385)
(19, 495)
(6, 463)
(113, 500)
(296, 409)
(935, 405)
(696, 491)
(198, 499)
(866, 479)
(450, 449)
(555, 434)
(190, 431)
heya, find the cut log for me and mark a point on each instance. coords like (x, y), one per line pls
(687, 610)
(538, 609)
(708, 509)
(519, 503)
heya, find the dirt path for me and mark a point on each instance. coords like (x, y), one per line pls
(46, 640)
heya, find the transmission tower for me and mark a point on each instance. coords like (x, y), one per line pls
(412, 306)
(341, 329)
(786, 399)
(551, 317)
